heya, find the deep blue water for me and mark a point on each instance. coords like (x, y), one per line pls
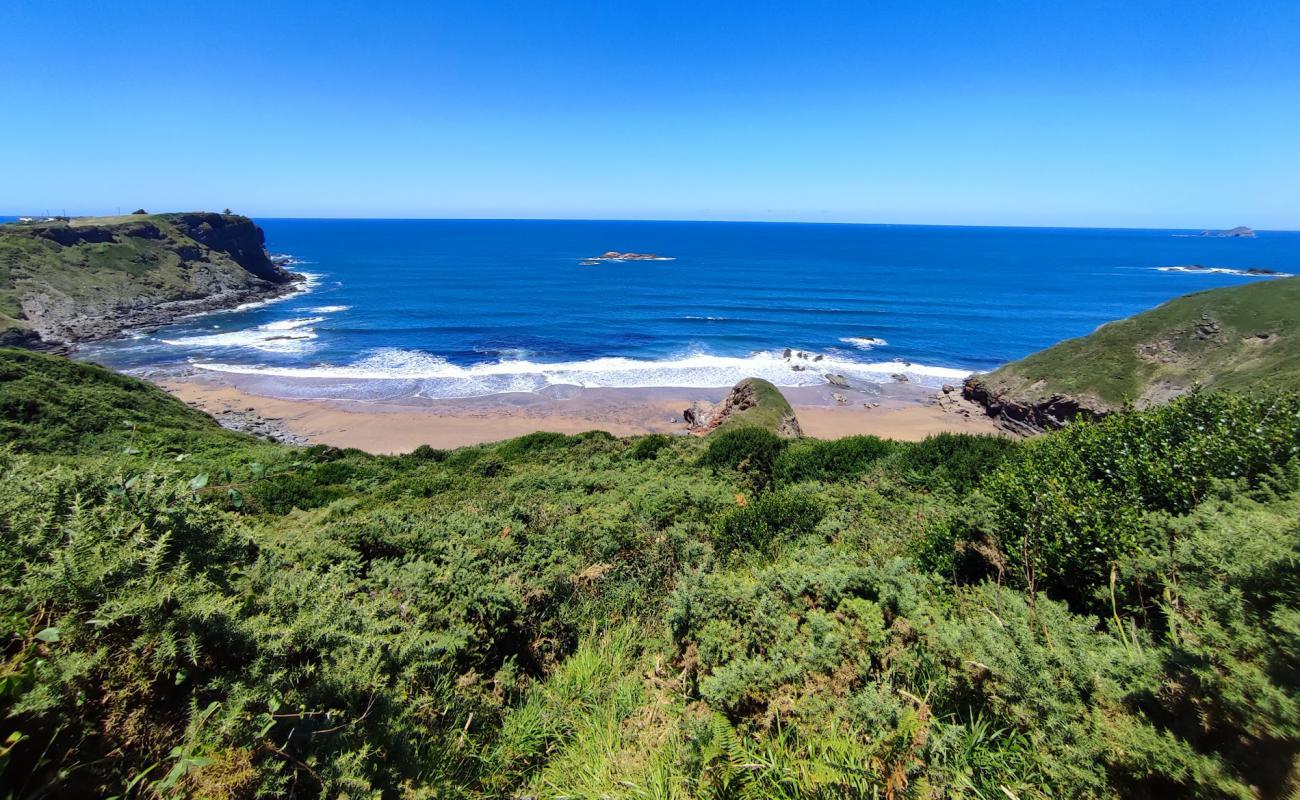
(455, 308)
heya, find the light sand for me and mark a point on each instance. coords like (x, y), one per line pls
(386, 427)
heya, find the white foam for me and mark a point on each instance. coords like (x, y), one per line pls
(1224, 271)
(438, 378)
(285, 336)
(328, 309)
(626, 260)
(310, 281)
(864, 342)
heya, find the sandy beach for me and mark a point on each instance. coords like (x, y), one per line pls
(894, 411)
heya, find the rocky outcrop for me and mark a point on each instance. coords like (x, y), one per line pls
(93, 278)
(751, 402)
(1026, 418)
(239, 237)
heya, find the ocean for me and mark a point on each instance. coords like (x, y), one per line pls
(468, 308)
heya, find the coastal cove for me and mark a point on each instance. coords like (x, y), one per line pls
(409, 310)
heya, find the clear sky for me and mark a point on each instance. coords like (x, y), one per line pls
(1044, 112)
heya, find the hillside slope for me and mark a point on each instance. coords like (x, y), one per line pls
(1239, 337)
(70, 280)
(191, 612)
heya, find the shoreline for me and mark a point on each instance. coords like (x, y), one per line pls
(895, 411)
(105, 329)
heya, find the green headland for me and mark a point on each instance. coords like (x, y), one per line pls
(69, 280)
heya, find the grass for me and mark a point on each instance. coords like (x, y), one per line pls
(97, 279)
(187, 611)
(769, 411)
(1252, 341)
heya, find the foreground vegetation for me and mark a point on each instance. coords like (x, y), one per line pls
(1112, 609)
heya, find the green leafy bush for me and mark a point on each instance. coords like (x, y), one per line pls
(1068, 506)
(748, 449)
(834, 460)
(645, 448)
(957, 460)
(767, 519)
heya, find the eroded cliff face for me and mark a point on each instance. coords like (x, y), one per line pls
(1027, 417)
(64, 282)
(239, 237)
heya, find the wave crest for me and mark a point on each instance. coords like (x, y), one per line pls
(422, 374)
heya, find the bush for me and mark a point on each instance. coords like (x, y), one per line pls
(750, 450)
(838, 459)
(645, 448)
(770, 517)
(1071, 504)
(531, 443)
(426, 453)
(957, 460)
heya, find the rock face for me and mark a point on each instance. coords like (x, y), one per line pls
(76, 280)
(1026, 417)
(239, 237)
(751, 402)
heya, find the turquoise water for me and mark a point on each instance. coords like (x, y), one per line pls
(460, 308)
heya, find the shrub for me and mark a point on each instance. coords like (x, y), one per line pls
(426, 453)
(1069, 505)
(531, 443)
(750, 450)
(645, 448)
(957, 460)
(771, 516)
(837, 459)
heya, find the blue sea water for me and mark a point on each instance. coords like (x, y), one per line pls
(456, 308)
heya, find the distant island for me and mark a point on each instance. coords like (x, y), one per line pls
(68, 280)
(1239, 232)
(614, 255)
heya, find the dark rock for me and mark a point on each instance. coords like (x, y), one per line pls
(837, 380)
(238, 236)
(1051, 413)
(67, 236)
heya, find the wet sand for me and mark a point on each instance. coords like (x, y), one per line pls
(897, 411)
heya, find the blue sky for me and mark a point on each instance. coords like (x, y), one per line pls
(1082, 113)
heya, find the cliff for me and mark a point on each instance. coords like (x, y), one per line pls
(66, 281)
(1240, 337)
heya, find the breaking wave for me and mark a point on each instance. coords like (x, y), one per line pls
(284, 336)
(420, 374)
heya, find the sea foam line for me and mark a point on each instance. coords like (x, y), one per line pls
(283, 336)
(436, 377)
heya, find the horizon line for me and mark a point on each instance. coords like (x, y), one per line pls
(683, 221)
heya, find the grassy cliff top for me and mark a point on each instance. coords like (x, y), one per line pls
(66, 280)
(1238, 337)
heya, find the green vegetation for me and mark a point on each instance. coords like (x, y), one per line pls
(756, 403)
(1109, 610)
(68, 280)
(1237, 338)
